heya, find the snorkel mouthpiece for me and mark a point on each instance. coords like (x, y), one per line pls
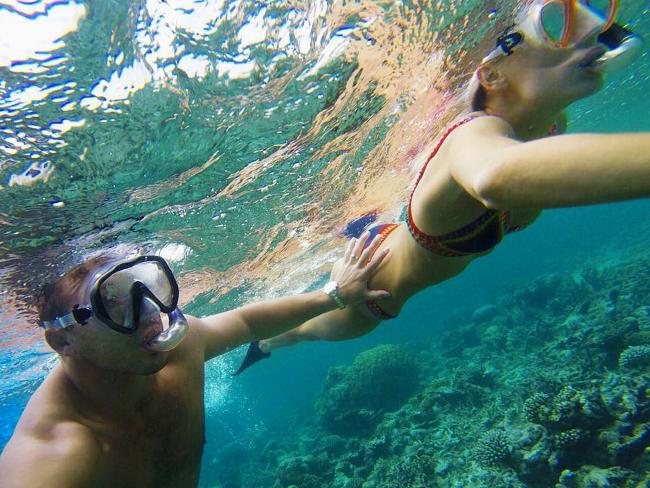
(173, 336)
(624, 47)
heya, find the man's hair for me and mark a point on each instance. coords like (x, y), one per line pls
(57, 298)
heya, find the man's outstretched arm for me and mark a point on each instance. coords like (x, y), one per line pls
(226, 331)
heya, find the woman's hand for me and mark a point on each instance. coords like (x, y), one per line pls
(356, 270)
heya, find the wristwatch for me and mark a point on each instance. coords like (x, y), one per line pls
(332, 289)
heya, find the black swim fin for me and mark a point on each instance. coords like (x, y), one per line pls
(253, 355)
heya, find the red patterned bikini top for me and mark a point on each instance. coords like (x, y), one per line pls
(477, 237)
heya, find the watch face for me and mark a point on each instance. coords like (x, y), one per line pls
(330, 287)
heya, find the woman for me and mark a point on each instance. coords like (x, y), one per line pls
(495, 168)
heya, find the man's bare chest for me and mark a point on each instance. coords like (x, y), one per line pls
(162, 443)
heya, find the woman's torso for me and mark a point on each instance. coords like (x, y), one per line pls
(439, 207)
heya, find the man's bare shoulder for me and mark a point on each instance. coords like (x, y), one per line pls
(191, 345)
(49, 447)
(61, 454)
(195, 349)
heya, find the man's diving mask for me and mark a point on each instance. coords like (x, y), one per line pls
(565, 23)
(124, 293)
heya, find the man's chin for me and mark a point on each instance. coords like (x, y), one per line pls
(154, 362)
(154, 366)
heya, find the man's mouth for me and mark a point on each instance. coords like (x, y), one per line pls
(152, 332)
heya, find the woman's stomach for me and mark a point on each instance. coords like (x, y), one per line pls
(409, 268)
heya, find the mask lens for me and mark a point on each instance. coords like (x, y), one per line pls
(600, 7)
(606, 9)
(116, 292)
(554, 21)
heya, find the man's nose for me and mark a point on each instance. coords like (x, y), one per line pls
(148, 310)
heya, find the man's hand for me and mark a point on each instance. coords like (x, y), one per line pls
(356, 270)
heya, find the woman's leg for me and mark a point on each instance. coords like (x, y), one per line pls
(338, 325)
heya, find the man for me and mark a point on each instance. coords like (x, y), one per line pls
(125, 405)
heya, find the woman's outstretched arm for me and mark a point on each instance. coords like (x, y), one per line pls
(560, 171)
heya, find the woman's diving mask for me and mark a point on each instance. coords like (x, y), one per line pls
(566, 23)
(124, 294)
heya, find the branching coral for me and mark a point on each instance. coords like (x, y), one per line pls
(536, 408)
(412, 472)
(570, 438)
(493, 448)
(635, 357)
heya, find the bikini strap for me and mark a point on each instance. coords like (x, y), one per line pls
(437, 148)
(433, 154)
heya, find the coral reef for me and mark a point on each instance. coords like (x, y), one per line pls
(355, 397)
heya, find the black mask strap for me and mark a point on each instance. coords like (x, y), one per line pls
(81, 314)
(508, 40)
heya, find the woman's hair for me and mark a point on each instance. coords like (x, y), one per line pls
(479, 100)
(476, 95)
(56, 299)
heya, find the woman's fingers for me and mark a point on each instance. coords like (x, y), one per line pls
(376, 261)
(369, 251)
(348, 250)
(358, 248)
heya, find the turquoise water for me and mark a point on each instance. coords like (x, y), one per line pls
(236, 139)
